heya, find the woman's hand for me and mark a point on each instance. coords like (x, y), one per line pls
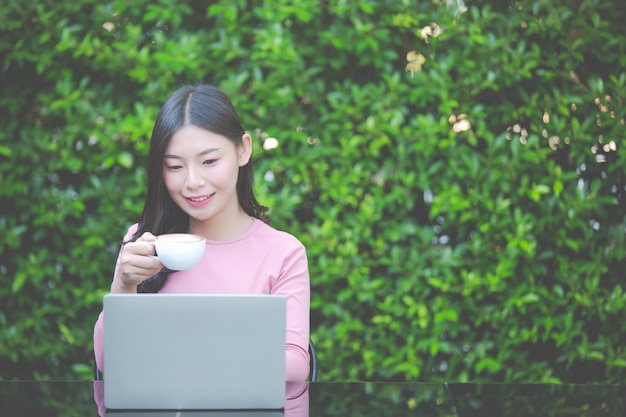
(136, 264)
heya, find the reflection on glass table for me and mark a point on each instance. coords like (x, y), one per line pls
(379, 399)
(538, 400)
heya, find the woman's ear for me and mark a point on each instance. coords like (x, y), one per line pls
(244, 150)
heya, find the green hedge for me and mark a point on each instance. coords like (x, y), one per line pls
(455, 171)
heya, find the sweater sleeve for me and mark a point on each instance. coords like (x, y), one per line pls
(293, 283)
(98, 342)
(98, 329)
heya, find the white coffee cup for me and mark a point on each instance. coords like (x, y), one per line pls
(179, 251)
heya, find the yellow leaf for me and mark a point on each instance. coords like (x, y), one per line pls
(415, 62)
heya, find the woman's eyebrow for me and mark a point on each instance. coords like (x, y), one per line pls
(209, 151)
(205, 152)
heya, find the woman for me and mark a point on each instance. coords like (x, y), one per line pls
(200, 181)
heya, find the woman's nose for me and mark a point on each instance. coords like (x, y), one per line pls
(195, 179)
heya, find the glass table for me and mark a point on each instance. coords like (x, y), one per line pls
(380, 399)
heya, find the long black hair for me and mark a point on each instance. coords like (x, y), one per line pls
(209, 108)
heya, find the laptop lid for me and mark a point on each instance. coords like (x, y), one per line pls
(194, 351)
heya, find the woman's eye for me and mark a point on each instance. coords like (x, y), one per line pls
(209, 161)
(173, 167)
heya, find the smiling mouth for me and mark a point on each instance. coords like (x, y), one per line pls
(200, 199)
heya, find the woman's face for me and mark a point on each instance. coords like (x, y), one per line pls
(200, 170)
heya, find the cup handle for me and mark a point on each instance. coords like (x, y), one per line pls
(154, 256)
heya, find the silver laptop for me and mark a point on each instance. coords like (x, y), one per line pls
(194, 352)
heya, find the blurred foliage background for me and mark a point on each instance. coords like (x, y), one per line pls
(455, 169)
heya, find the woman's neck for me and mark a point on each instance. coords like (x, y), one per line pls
(222, 228)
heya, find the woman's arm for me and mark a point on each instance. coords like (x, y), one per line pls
(294, 284)
(133, 266)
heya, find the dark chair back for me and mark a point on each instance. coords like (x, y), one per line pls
(312, 362)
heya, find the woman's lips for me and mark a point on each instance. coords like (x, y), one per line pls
(198, 201)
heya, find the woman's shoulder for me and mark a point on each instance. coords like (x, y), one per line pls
(276, 236)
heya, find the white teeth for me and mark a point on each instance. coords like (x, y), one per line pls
(198, 199)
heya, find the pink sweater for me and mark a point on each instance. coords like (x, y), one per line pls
(262, 260)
